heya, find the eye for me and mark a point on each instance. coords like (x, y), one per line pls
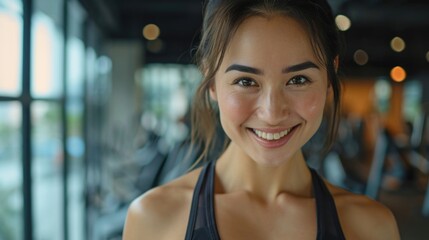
(245, 82)
(299, 81)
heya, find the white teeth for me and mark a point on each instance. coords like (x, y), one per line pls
(276, 136)
(271, 136)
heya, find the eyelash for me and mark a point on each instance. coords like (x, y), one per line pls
(302, 83)
(248, 82)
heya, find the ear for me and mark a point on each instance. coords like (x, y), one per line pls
(212, 91)
(336, 63)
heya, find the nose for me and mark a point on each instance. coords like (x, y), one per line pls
(274, 105)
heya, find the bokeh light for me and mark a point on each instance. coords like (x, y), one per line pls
(151, 32)
(398, 74)
(397, 44)
(343, 22)
(360, 57)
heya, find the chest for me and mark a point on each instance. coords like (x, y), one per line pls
(243, 218)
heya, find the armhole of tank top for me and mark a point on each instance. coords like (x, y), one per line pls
(194, 204)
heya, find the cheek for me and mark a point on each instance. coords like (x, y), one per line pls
(234, 108)
(313, 106)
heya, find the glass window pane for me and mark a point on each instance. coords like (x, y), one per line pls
(11, 225)
(75, 72)
(47, 171)
(76, 150)
(10, 47)
(47, 43)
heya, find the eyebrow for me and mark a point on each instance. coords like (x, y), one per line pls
(300, 67)
(252, 70)
(242, 68)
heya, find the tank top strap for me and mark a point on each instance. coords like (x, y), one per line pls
(328, 224)
(202, 222)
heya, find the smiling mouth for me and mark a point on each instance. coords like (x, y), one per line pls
(272, 136)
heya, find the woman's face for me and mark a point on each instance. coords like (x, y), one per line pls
(271, 89)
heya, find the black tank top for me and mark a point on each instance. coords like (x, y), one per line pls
(202, 222)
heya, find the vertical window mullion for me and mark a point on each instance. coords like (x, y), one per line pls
(64, 121)
(26, 120)
(85, 128)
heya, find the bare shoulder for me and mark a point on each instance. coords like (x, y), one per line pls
(362, 217)
(162, 212)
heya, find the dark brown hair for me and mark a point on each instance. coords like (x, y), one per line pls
(221, 20)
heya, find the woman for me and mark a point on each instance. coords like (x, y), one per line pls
(270, 71)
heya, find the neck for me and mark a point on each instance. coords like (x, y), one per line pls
(237, 172)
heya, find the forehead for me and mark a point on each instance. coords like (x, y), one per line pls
(270, 40)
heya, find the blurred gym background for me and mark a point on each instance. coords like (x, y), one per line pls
(94, 110)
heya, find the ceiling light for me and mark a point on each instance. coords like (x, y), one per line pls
(343, 22)
(151, 32)
(360, 57)
(397, 44)
(398, 74)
